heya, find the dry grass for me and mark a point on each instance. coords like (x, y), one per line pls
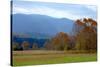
(36, 57)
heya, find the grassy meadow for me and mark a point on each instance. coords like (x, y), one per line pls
(51, 33)
(38, 57)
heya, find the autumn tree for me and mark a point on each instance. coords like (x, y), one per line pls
(60, 41)
(78, 25)
(87, 37)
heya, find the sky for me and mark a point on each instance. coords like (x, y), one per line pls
(57, 10)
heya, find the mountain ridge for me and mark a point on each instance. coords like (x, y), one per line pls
(42, 24)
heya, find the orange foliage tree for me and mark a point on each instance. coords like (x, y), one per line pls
(61, 41)
(87, 36)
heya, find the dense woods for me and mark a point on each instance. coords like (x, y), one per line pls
(83, 37)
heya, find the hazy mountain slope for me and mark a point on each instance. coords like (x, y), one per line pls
(41, 24)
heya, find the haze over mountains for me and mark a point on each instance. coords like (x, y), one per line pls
(40, 26)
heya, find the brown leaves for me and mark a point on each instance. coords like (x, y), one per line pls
(79, 22)
(87, 36)
(60, 41)
(88, 29)
(86, 22)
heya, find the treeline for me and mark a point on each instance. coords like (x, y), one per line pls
(25, 45)
(82, 37)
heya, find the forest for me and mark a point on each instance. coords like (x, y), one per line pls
(83, 37)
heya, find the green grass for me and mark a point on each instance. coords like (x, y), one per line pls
(47, 57)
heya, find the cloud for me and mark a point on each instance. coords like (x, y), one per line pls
(58, 11)
(20, 10)
(93, 8)
(45, 11)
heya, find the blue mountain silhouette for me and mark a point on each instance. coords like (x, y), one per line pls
(35, 24)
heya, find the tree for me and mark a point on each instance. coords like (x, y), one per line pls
(48, 45)
(78, 25)
(60, 41)
(35, 46)
(25, 45)
(87, 37)
(15, 45)
(72, 42)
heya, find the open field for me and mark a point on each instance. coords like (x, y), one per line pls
(38, 57)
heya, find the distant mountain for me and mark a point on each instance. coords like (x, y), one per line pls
(40, 25)
(32, 35)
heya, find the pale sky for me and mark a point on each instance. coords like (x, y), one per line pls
(57, 10)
